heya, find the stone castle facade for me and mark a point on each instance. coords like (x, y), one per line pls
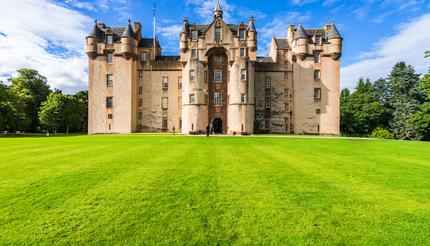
(217, 80)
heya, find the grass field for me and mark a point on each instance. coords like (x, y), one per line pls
(192, 190)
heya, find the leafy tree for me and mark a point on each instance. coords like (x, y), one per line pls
(421, 119)
(82, 96)
(31, 89)
(360, 111)
(62, 112)
(12, 115)
(405, 100)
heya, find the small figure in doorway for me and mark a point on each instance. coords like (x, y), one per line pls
(207, 130)
(174, 130)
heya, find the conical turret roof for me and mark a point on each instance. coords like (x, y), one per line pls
(300, 33)
(185, 26)
(218, 11)
(95, 32)
(333, 32)
(128, 32)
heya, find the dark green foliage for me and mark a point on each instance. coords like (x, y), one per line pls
(63, 112)
(380, 132)
(361, 112)
(31, 89)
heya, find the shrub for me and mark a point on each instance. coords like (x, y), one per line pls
(380, 132)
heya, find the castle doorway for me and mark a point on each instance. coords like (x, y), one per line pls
(217, 125)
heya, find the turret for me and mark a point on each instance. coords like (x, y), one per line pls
(301, 41)
(93, 37)
(128, 43)
(335, 40)
(184, 36)
(218, 11)
(252, 35)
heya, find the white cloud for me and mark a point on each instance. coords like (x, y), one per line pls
(407, 45)
(81, 5)
(170, 34)
(205, 8)
(46, 36)
(278, 28)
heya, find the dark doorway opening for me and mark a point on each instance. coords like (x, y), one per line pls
(217, 126)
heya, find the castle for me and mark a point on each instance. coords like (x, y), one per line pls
(217, 80)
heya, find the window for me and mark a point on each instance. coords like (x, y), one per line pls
(268, 83)
(109, 80)
(318, 40)
(285, 75)
(165, 123)
(317, 74)
(242, 34)
(194, 54)
(140, 90)
(165, 103)
(192, 98)
(243, 98)
(267, 124)
(165, 83)
(217, 99)
(144, 56)
(140, 74)
(140, 102)
(180, 123)
(180, 82)
(318, 111)
(243, 74)
(109, 39)
(217, 76)
(317, 57)
(194, 35)
(217, 58)
(192, 75)
(109, 102)
(139, 115)
(109, 58)
(267, 103)
(317, 93)
(286, 64)
(286, 106)
(110, 116)
(206, 77)
(243, 52)
(218, 35)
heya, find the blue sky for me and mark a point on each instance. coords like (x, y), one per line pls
(48, 35)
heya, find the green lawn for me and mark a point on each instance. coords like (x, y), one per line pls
(140, 189)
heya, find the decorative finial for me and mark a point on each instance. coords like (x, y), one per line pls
(218, 11)
(129, 21)
(95, 21)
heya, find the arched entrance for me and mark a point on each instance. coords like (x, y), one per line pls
(217, 125)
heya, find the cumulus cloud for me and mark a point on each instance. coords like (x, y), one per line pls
(278, 28)
(170, 35)
(205, 8)
(46, 36)
(408, 45)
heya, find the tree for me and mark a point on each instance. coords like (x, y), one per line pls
(12, 115)
(82, 96)
(62, 112)
(427, 54)
(405, 100)
(31, 89)
(361, 112)
(421, 119)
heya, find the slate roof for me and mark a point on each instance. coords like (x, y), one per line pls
(333, 32)
(300, 32)
(148, 43)
(204, 28)
(282, 43)
(265, 59)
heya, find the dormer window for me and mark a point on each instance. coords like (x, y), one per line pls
(318, 40)
(218, 34)
(242, 34)
(194, 35)
(109, 39)
(144, 56)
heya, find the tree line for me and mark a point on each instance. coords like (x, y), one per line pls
(397, 106)
(27, 104)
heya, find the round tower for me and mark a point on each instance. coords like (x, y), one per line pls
(335, 39)
(128, 43)
(92, 39)
(300, 47)
(252, 36)
(184, 36)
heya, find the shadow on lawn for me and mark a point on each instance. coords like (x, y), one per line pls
(39, 135)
